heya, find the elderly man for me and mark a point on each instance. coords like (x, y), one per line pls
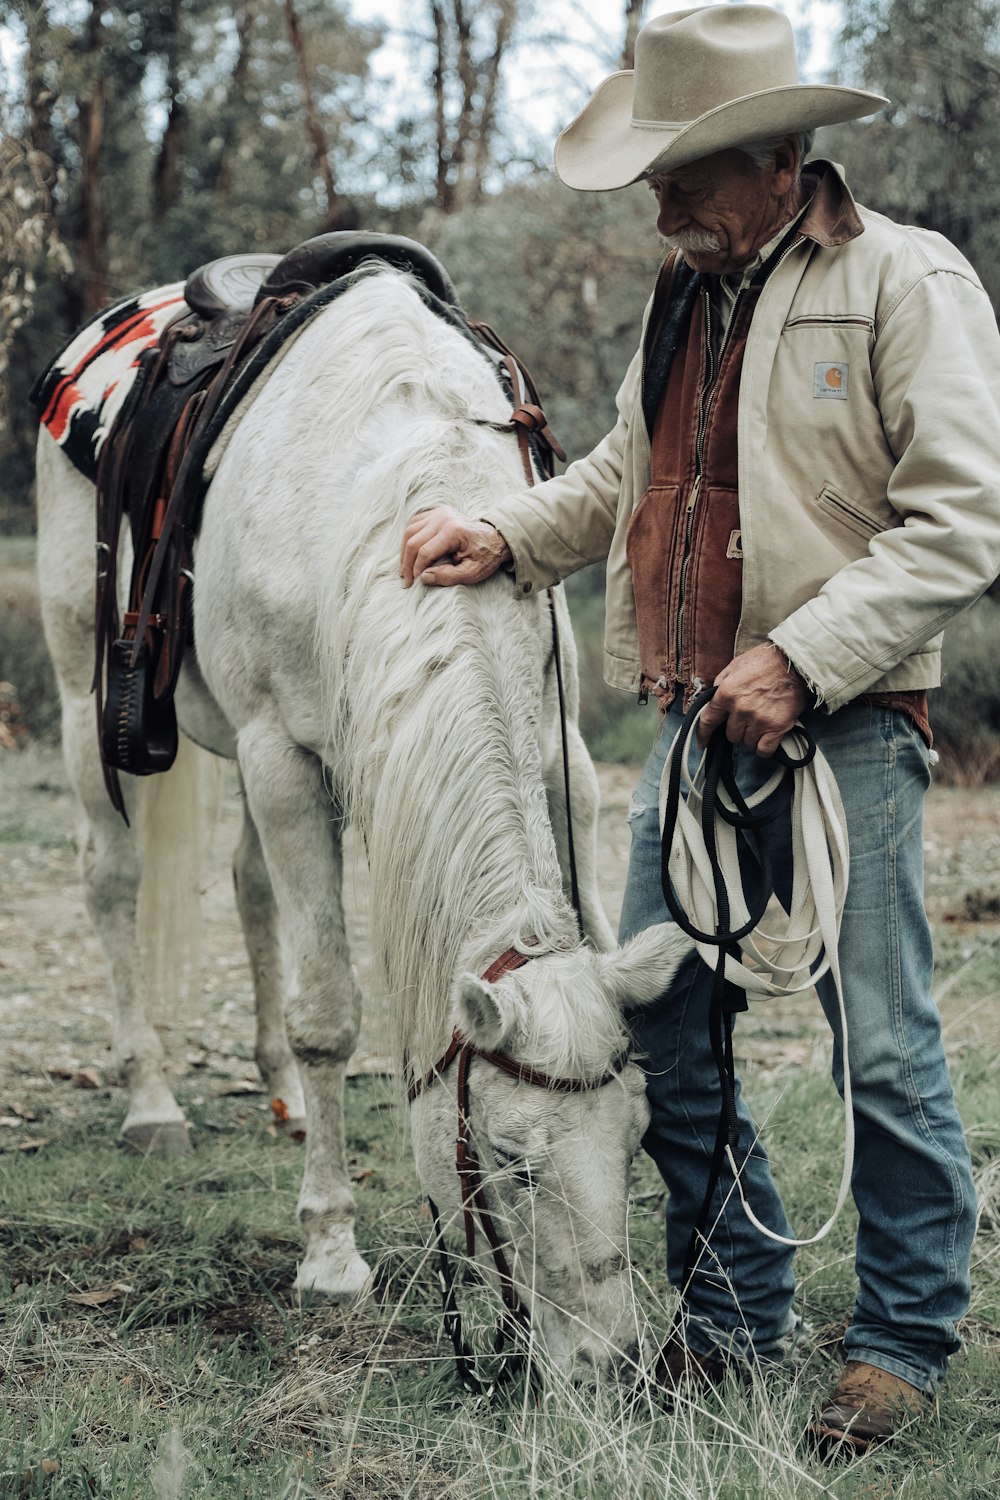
(802, 487)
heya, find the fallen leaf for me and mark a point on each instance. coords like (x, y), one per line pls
(10, 1122)
(100, 1296)
(242, 1086)
(279, 1110)
(139, 1243)
(34, 1144)
(363, 1174)
(50, 1466)
(22, 1111)
(80, 1078)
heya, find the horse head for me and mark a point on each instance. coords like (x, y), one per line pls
(553, 1112)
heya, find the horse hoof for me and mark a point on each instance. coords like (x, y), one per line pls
(334, 1280)
(166, 1138)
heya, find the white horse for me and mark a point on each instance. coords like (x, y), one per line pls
(429, 717)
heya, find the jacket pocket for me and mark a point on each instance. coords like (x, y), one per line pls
(831, 320)
(847, 513)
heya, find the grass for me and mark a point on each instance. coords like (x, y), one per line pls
(152, 1342)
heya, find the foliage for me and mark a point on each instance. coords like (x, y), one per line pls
(928, 158)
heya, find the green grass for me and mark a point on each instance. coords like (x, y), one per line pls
(202, 1374)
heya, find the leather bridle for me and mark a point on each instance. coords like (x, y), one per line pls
(514, 1320)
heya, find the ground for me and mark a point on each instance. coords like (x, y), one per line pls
(53, 991)
(152, 1341)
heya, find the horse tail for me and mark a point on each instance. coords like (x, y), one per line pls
(176, 814)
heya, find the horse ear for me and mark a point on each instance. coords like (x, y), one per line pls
(486, 1012)
(643, 967)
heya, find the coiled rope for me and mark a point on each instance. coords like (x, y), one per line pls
(703, 836)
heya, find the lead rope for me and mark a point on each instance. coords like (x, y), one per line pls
(703, 889)
(526, 418)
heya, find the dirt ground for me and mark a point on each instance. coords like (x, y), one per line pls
(54, 1003)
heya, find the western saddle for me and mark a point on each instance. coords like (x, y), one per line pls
(242, 309)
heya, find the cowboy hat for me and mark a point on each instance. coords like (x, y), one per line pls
(704, 80)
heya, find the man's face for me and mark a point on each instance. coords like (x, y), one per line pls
(717, 211)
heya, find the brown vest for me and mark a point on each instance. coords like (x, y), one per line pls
(684, 538)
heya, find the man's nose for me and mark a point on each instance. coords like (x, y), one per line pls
(672, 216)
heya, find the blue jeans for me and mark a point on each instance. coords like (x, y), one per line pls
(912, 1180)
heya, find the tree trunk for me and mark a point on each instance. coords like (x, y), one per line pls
(633, 25)
(314, 125)
(490, 91)
(92, 255)
(443, 195)
(167, 167)
(223, 177)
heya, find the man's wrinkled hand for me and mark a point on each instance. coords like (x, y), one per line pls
(758, 697)
(442, 546)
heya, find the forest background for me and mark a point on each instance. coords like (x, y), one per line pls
(141, 138)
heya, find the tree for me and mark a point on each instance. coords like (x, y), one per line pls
(634, 10)
(470, 42)
(930, 158)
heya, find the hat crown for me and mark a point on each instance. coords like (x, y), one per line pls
(692, 61)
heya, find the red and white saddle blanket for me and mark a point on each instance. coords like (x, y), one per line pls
(80, 394)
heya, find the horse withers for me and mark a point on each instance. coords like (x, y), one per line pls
(430, 718)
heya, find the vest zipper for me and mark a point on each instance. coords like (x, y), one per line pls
(711, 372)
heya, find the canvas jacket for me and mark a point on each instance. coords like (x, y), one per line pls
(869, 461)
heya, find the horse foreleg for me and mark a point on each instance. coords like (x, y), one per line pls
(300, 836)
(584, 803)
(259, 917)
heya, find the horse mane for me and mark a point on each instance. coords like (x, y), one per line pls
(433, 697)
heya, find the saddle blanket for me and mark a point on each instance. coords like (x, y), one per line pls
(81, 392)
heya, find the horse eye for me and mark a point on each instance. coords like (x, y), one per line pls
(517, 1166)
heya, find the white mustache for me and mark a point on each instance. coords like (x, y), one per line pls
(697, 241)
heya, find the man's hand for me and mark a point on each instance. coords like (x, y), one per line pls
(758, 697)
(444, 547)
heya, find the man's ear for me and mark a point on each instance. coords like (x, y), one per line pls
(786, 165)
(643, 967)
(487, 1012)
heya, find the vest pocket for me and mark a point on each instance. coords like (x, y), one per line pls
(651, 547)
(834, 504)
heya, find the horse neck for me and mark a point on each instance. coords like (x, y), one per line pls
(463, 859)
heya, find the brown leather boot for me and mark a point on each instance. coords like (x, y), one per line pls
(868, 1406)
(676, 1363)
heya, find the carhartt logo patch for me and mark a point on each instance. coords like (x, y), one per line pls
(830, 381)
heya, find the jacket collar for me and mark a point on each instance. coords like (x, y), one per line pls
(831, 217)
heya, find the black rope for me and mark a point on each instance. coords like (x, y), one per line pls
(727, 999)
(512, 1362)
(574, 881)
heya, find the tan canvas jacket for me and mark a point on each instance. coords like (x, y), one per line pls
(869, 461)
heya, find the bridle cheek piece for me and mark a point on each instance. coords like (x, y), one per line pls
(515, 1317)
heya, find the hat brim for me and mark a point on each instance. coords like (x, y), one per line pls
(603, 149)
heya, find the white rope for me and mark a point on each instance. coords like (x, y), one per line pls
(779, 961)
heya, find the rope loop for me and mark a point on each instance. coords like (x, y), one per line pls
(713, 846)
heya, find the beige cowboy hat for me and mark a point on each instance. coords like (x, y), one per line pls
(704, 80)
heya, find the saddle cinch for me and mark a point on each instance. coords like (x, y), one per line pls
(242, 309)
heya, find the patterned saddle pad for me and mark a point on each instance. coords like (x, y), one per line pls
(78, 396)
